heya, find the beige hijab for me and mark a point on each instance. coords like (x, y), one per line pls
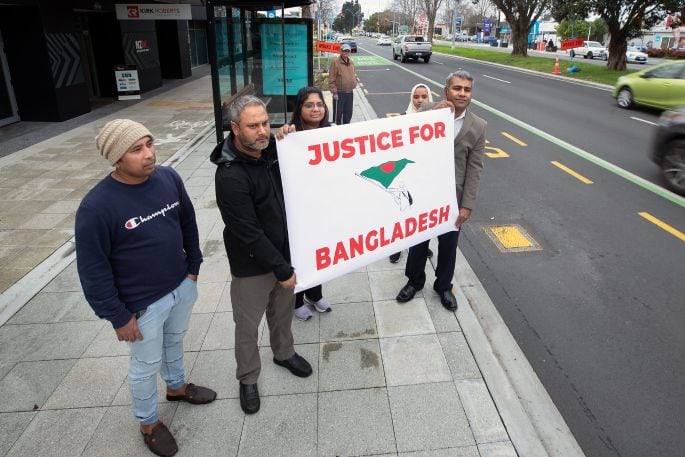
(410, 108)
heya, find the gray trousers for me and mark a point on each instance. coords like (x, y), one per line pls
(250, 298)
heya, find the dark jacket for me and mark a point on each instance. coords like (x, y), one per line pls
(249, 194)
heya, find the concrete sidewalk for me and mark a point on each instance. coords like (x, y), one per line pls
(389, 379)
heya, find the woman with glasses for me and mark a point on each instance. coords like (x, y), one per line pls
(311, 112)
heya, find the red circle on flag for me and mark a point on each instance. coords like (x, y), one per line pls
(388, 167)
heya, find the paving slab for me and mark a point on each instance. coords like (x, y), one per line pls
(216, 369)
(292, 417)
(355, 422)
(459, 357)
(30, 384)
(204, 430)
(484, 419)
(349, 321)
(351, 288)
(402, 319)
(414, 360)
(118, 435)
(91, 382)
(59, 433)
(428, 416)
(277, 380)
(338, 359)
(12, 425)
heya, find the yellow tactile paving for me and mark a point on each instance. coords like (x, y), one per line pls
(511, 238)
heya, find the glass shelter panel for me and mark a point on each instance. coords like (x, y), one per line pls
(269, 57)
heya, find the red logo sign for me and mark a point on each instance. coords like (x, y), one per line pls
(133, 11)
(572, 43)
(324, 46)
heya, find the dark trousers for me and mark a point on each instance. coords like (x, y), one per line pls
(342, 108)
(314, 294)
(415, 270)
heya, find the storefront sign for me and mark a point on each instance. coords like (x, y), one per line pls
(128, 85)
(295, 45)
(151, 11)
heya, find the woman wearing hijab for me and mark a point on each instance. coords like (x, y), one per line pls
(419, 95)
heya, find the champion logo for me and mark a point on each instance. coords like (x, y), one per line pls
(132, 223)
(136, 221)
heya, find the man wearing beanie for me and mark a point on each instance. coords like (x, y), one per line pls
(249, 194)
(138, 257)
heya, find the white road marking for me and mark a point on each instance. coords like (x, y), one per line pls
(497, 79)
(643, 120)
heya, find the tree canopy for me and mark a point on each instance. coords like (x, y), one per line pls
(624, 20)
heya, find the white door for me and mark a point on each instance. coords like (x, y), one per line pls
(8, 104)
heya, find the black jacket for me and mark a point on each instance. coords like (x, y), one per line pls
(249, 194)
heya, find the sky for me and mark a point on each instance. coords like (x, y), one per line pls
(371, 6)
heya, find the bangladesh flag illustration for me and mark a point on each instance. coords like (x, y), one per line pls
(386, 172)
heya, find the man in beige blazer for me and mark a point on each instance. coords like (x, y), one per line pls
(469, 147)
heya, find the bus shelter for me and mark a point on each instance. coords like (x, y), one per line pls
(254, 49)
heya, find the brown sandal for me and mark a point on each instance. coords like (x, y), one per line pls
(160, 441)
(196, 395)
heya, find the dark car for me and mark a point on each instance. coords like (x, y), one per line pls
(668, 148)
(351, 42)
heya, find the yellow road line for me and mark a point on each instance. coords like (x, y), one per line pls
(659, 223)
(578, 176)
(514, 139)
(392, 114)
(498, 154)
(435, 94)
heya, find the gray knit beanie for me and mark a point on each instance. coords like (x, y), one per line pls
(117, 136)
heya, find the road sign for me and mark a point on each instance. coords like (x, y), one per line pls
(458, 20)
(271, 13)
(572, 43)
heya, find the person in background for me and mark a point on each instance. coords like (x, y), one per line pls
(419, 95)
(311, 112)
(249, 194)
(342, 79)
(469, 149)
(138, 258)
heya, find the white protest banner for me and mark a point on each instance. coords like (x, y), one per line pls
(360, 192)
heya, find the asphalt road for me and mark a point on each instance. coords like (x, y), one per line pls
(598, 309)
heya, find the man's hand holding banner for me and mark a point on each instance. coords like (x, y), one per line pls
(357, 193)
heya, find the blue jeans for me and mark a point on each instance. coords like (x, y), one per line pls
(163, 326)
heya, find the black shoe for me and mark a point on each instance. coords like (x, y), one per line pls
(407, 293)
(448, 300)
(430, 254)
(297, 365)
(395, 257)
(249, 398)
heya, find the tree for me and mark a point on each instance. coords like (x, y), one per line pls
(521, 15)
(327, 9)
(594, 31)
(431, 7)
(350, 16)
(624, 20)
(408, 9)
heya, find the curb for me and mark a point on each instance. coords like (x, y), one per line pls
(533, 422)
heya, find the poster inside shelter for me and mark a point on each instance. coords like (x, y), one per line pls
(355, 194)
(272, 42)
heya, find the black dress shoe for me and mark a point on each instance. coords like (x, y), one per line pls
(297, 365)
(448, 300)
(249, 398)
(394, 258)
(407, 293)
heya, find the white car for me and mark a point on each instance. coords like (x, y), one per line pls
(384, 41)
(633, 55)
(590, 50)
